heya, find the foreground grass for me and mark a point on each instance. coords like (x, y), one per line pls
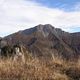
(39, 69)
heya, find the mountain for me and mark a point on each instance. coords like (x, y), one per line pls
(46, 40)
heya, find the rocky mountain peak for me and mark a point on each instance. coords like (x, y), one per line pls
(44, 29)
(46, 40)
(41, 27)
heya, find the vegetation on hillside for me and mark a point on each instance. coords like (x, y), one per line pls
(39, 69)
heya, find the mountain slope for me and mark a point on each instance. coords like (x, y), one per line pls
(45, 40)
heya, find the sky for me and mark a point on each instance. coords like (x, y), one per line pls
(18, 15)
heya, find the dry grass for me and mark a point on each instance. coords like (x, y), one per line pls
(39, 69)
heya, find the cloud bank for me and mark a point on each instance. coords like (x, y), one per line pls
(17, 15)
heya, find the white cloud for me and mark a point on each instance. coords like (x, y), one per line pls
(21, 14)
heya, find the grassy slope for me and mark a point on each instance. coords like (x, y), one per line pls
(35, 69)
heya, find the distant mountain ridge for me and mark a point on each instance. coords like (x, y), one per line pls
(45, 40)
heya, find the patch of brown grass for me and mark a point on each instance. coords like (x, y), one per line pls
(39, 69)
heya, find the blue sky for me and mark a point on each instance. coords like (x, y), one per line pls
(74, 29)
(67, 5)
(18, 15)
